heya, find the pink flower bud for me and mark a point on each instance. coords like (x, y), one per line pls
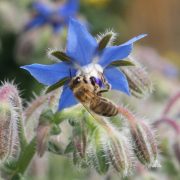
(9, 103)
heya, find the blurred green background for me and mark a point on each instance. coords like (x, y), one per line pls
(159, 53)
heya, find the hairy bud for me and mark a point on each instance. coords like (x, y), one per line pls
(145, 146)
(97, 154)
(110, 149)
(42, 138)
(139, 82)
(43, 131)
(119, 155)
(79, 141)
(9, 113)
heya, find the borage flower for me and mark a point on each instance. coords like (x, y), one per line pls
(55, 17)
(84, 54)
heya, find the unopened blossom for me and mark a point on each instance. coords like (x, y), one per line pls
(9, 109)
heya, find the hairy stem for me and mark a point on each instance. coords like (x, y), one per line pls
(129, 116)
(49, 98)
(170, 122)
(34, 105)
(170, 104)
(24, 159)
(21, 134)
(20, 125)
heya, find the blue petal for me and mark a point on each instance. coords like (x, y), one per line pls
(69, 9)
(49, 74)
(81, 46)
(117, 79)
(36, 22)
(134, 39)
(67, 98)
(42, 8)
(115, 53)
(43, 12)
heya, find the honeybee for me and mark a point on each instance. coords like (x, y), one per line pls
(89, 92)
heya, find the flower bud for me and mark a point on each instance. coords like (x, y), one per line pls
(120, 155)
(145, 146)
(43, 131)
(78, 146)
(79, 140)
(9, 104)
(79, 161)
(139, 82)
(97, 156)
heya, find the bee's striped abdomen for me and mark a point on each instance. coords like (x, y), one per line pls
(103, 107)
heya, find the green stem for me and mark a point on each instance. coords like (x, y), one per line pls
(20, 126)
(21, 134)
(24, 159)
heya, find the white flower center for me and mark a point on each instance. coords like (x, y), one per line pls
(90, 70)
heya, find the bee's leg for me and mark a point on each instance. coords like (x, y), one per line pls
(103, 91)
(96, 88)
(108, 87)
(105, 82)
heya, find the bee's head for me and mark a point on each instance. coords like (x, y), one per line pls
(75, 81)
(80, 80)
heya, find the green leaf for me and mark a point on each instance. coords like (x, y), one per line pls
(60, 55)
(69, 148)
(57, 85)
(104, 41)
(59, 117)
(55, 130)
(55, 148)
(8, 168)
(122, 63)
(17, 177)
(47, 116)
(73, 122)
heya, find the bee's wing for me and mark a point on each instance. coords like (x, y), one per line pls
(89, 111)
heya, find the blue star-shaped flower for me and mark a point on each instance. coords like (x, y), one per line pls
(57, 18)
(84, 52)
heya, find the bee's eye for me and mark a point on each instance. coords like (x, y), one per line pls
(93, 80)
(77, 80)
